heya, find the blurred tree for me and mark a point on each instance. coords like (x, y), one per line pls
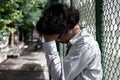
(15, 14)
(31, 10)
(9, 15)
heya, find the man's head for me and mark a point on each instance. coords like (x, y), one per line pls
(57, 18)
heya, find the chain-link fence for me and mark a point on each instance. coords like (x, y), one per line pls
(87, 13)
(111, 40)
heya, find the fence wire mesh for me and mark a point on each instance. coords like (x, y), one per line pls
(87, 13)
(111, 40)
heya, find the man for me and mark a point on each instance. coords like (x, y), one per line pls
(83, 60)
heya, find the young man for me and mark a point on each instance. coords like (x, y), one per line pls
(83, 60)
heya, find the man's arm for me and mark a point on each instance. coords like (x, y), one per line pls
(53, 60)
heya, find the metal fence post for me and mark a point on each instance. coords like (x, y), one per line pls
(98, 9)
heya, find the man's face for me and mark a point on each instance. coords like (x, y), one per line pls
(65, 37)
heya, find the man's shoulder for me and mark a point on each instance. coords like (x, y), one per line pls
(87, 40)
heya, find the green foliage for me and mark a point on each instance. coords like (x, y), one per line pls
(32, 10)
(9, 14)
(9, 11)
(24, 12)
(4, 30)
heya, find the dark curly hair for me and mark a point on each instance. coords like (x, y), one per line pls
(57, 18)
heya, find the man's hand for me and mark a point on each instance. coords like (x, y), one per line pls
(50, 37)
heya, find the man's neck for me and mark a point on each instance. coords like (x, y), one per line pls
(76, 29)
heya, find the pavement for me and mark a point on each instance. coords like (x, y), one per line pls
(30, 65)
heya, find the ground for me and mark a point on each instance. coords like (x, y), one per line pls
(30, 65)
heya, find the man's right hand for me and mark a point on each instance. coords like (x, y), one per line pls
(50, 37)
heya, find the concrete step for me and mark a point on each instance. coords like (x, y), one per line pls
(15, 53)
(3, 56)
(21, 75)
(20, 68)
